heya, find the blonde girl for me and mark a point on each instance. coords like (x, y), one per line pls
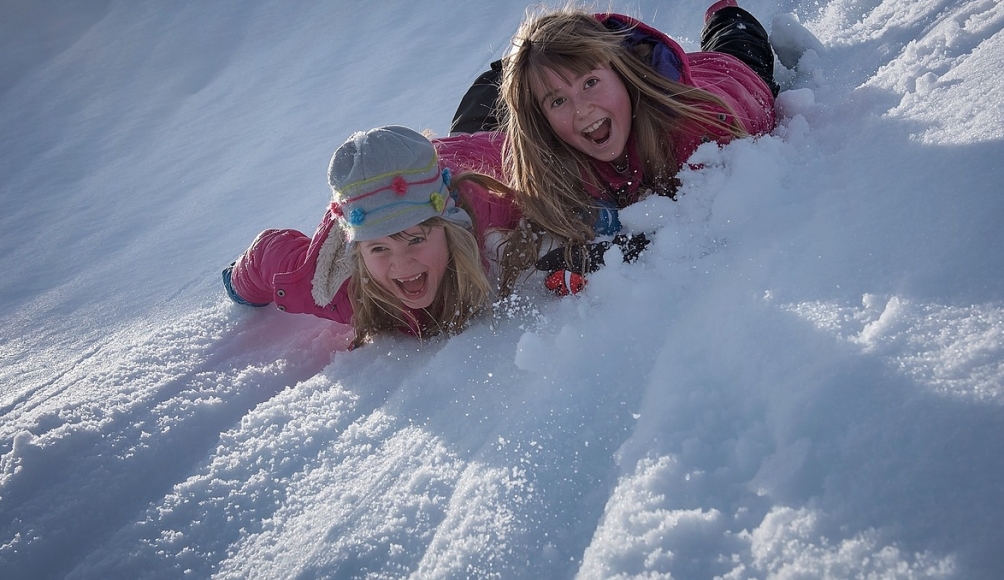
(406, 244)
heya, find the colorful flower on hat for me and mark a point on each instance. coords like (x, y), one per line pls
(447, 176)
(357, 216)
(399, 185)
(437, 201)
(336, 209)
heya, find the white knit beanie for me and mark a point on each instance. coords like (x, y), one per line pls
(386, 180)
(383, 181)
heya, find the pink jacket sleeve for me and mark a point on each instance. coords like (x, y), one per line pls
(481, 152)
(272, 252)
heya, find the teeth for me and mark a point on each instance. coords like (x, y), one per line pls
(412, 279)
(594, 126)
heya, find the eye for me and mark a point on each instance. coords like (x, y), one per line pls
(376, 249)
(557, 102)
(590, 82)
(416, 240)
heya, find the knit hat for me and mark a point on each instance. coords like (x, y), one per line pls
(383, 181)
(386, 180)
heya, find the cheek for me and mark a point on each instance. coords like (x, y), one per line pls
(374, 266)
(438, 258)
(621, 98)
(560, 124)
(550, 118)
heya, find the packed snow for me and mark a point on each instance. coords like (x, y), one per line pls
(801, 377)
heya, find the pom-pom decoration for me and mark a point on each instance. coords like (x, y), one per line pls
(399, 185)
(437, 201)
(357, 216)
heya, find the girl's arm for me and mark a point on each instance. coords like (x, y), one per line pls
(272, 252)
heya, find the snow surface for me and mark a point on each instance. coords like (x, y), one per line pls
(803, 377)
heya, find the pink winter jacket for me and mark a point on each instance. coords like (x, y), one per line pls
(721, 74)
(279, 265)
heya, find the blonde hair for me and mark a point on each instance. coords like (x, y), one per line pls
(551, 176)
(463, 292)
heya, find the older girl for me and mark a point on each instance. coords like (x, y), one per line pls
(603, 110)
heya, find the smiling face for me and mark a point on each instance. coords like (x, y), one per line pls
(591, 111)
(409, 264)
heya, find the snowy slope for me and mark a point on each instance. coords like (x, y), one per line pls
(803, 377)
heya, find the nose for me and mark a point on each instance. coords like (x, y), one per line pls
(400, 262)
(582, 105)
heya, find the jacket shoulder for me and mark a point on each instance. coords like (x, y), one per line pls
(730, 79)
(480, 152)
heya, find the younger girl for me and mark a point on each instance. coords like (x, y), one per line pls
(403, 245)
(603, 110)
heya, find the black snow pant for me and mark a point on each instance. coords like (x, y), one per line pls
(478, 110)
(731, 30)
(735, 31)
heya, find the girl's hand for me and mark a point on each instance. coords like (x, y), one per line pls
(588, 258)
(568, 269)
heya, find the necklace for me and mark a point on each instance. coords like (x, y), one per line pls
(620, 167)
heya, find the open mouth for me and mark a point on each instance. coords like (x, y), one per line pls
(598, 132)
(412, 287)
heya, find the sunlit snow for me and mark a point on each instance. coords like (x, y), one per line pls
(802, 377)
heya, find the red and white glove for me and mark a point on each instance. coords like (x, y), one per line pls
(565, 282)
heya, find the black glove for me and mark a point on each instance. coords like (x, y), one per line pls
(587, 258)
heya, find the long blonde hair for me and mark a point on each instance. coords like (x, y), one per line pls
(463, 293)
(549, 175)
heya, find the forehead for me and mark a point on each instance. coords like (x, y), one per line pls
(405, 235)
(548, 80)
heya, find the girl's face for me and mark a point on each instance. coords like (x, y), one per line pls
(409, 264)
(590, 112)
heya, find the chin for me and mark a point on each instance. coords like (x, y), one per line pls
(417, 305)
(608, 154)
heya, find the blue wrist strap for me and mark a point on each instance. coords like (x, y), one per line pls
(607, 221)
(228, 284)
